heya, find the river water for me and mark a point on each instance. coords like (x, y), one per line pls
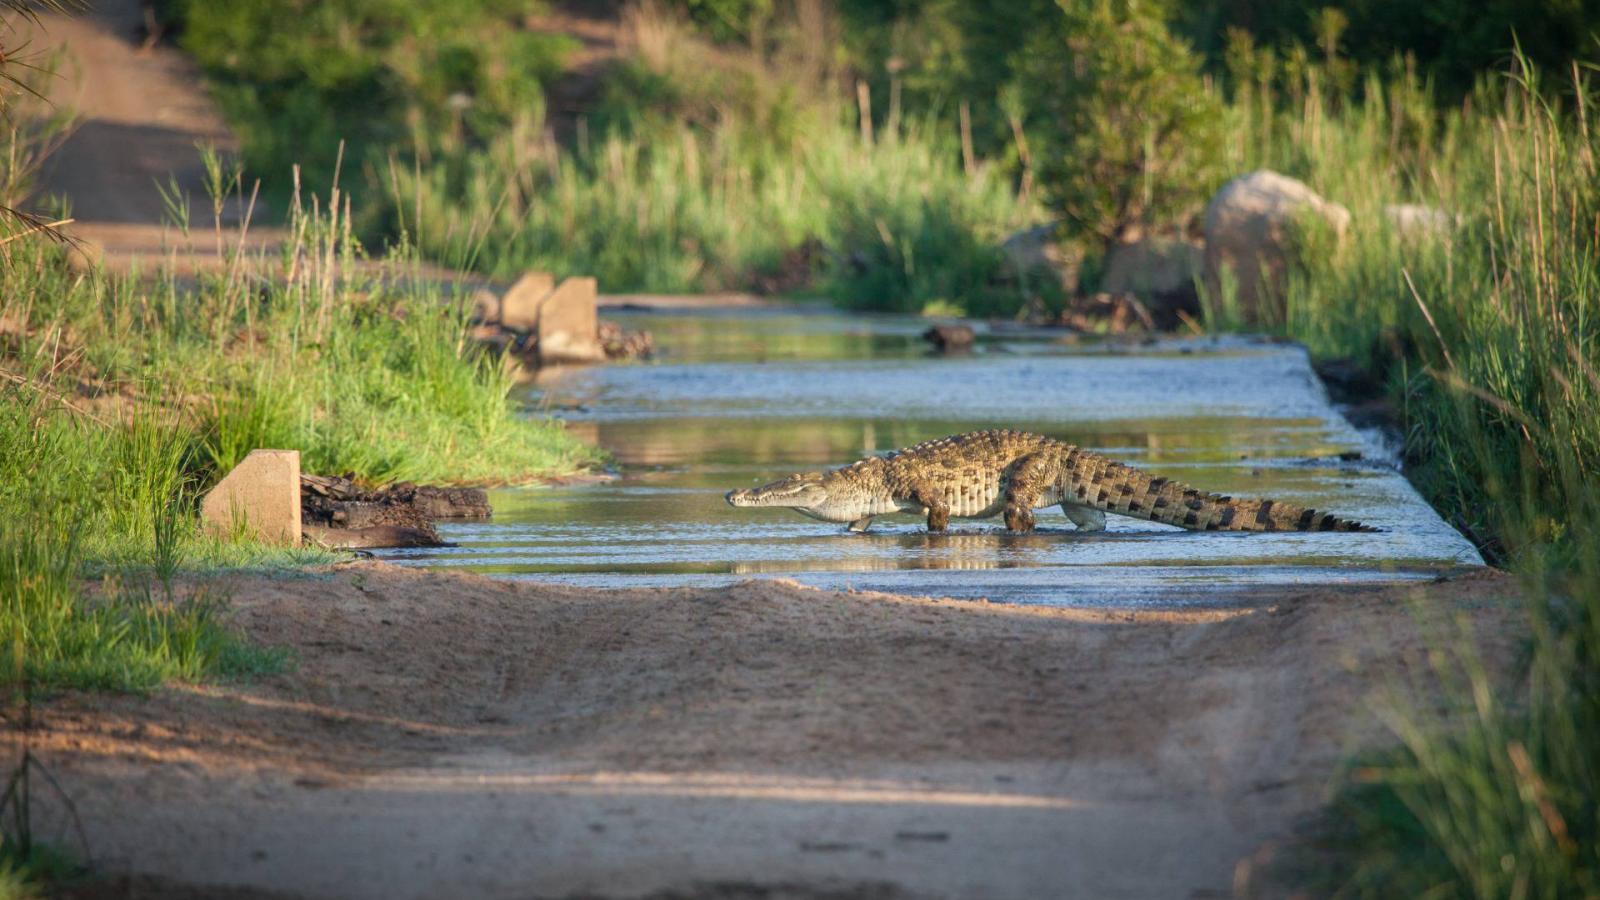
(742, 397)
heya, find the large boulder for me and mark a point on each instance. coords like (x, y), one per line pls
(1160, 272)
(1250, 232)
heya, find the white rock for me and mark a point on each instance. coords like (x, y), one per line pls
(1249, 228)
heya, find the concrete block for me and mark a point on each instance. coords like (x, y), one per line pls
(485, 307)
(261, 496)
(519, 308)
(569, 328)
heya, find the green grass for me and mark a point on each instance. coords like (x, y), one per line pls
(681, 210)
(297, 80)
(1486, 333)
(701, 167)
(358, 375)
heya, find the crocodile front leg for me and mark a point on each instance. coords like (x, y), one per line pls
(931, 498)
(860, 525)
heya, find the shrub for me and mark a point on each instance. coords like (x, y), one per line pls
(1130, 134)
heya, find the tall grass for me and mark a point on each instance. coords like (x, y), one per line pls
(363, 370)
(682, 209)
(1485, 326)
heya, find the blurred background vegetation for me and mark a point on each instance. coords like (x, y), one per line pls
(715, 138)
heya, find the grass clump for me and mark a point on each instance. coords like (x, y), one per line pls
(134, 640)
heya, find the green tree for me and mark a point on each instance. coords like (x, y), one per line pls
(1129, 133)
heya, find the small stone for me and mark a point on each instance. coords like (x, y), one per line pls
(520, 307)
(1412, 221)
(260, 497)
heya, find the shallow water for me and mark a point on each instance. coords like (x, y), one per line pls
(742, 398)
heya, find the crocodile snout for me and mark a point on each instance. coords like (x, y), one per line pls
(734, 496)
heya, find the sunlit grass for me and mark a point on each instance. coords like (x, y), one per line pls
(1485, 329)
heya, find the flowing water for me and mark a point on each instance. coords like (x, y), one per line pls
(739, 398)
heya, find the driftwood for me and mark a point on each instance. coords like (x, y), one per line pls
(337, 512)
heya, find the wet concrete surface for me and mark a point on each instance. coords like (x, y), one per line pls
(741, 397)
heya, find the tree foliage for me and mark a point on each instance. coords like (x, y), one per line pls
(1131, 134)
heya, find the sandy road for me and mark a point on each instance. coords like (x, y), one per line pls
(142, 113)
(448, 735)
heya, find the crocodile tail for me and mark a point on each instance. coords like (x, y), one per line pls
(1105, 484)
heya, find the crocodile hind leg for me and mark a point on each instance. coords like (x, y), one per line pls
(933, 499)
(860, 525)
(1028, 480)
(1087, 518)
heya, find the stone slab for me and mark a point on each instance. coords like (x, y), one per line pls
(260, 497)
(485, 307)
(520, 307)
(569, 327)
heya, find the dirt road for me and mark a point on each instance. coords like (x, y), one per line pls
(142, 113)
(449, 735)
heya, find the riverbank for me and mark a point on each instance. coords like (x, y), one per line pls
(451, 734)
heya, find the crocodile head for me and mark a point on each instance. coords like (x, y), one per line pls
(820, 495)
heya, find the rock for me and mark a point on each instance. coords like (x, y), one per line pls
(370, 538)
(452, 503)
(339, 499)
(519, 308)
(1412, 221)
(1249, 228)
(260, 497)
(1033, 255)
(951, 338)
(338, 508)
(568, 326)
(1160, 272)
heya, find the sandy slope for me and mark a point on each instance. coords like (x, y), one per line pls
(449, 735)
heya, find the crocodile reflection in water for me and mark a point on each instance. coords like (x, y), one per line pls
(933, 550)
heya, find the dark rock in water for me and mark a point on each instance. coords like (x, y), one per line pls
(346, 514)
(452, 503)
(951, 338)
(372, 537)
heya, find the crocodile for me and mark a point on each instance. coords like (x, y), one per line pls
(988, 473)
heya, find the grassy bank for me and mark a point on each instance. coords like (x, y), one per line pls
(1483, 326)
(123, 400)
